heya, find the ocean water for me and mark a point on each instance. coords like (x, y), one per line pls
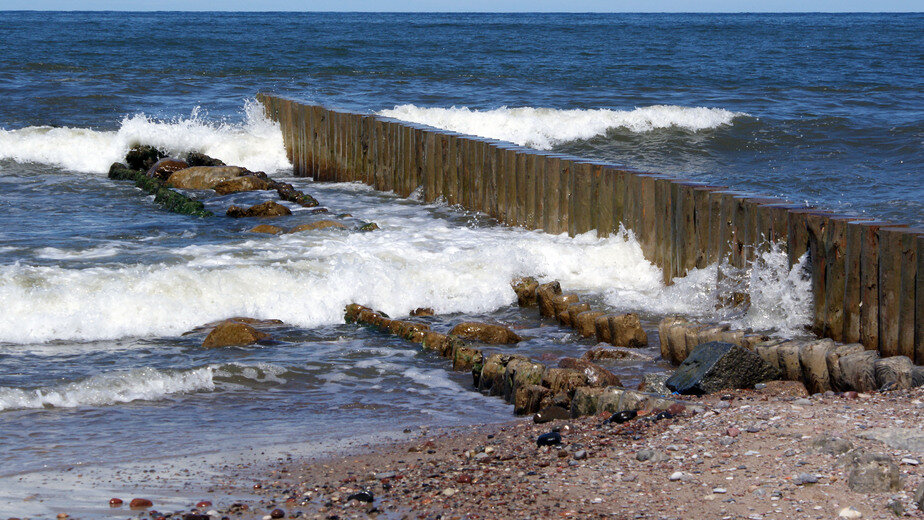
(98, 285)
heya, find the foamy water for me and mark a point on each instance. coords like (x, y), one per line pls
(543, 128)
(256, 143)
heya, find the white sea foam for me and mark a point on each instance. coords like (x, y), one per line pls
(146, 384)
(255, 144)
(54, 253)
(545, 127)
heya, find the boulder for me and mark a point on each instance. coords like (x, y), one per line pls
(312, 226)
(521, 372)
(266, 228)
(835, 375)
(616, 354)
(585, 400)
(204, 177)
(465, 358)
(408, 329)
(572, 310)
(859, 370)
(654, 384)
(200, 159)
(242, 183)
(586, 323)
(769, 352)
(437, 342)
(485, 333)
(626, 331)
(677, 341)
(564, 380)
(814, 361)
(667, 347)
(491, 380)
(233, 333)
(561, 302)
(872, 473)
(551, 413)
(716, 366)
(525, 288)
(528, 398)
(288, 193)
(789, 364)
(602, 328)
(596, 375)
(142, 157)
(544, 295)
(893, 373)
(164, 168)
(266, 209)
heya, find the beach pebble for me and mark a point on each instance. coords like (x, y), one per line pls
(720, 491)
(140, 502)
(115, 502)
(580, 455)
(203, 503)
(849, 512)
(277, 513)
(733, 432)
(549, 439)
(805, 478)
(675, 476)
(910, 461)
(362, 496)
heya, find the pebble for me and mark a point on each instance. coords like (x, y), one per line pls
(910, 461)
(805, 478)
(720, 491)
(450, 491)
(849, 512)
(549, 439)
(675, 476)
(751, 452)
(140, 502)
(277, 513)
(733, 432)
(580, 455)
(115, 502)
(203, 504)
(361, 496)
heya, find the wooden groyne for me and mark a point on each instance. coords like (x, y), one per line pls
(864, 273)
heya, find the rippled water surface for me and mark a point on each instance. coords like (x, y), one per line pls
(98, 284)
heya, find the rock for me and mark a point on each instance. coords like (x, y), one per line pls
(626, 331)
(872, 473)
(623, 416)
(561, 302)
(893, 373)
(362, 496)
(569, 315)
(242, 183)
(544, 295)
(422, 311)
(859, 370)
(586, 323)
(115, 502)
(549, 439)
(849, 513)
(784, 389)
(312, 226)
(204, 177)
(551, 413)
(368, 226)
(838, 383)
(919, 496)
(596, 375)
(439, 343)
(140, 503)
(668, 350)
(521, 372)
(288, 193)
(142, 157)
(814, 363)
(564, 380)
(654, 384)
(491, 379)
(164, 168)
(232, 333)
(675, 476)
(200, 159)
(614, 353)
(580, 455)
(277, 513)
(266, 209)
(465, 358)
(906, 439)
(896, 507)
(192, 516)
(602, 328)
(716, 366)
(266, 228)
(650, 455)
(831, 445)
(805, 478)
(584, 401)
(203, 504)
(485, 332)
(525, 288)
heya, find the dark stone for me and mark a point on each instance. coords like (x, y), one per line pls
(872, 473)
(266, 209)
(621, 417)
(526, 291)
(551, 413)
(369, 226)
(288, 193)
(140, 502)
(142, 157)
(277, 513)
(115, 502)
(362, 496)
(164, 168)
(549, 439)
(196, 516)
(715, 366)
(200, 159)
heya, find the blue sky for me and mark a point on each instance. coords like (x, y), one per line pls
(471, 5)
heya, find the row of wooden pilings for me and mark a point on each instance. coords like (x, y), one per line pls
(864, 273)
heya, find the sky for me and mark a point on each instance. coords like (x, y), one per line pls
(473, 5)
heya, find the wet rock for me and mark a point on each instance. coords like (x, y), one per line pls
(277, 513)
(362, 496)
(551, 413)
(569, 314)
(595, 375)
(521, 372)
(545, 293)
(561, 303)
(115, 502)
(872, 473)
(667, 348)
(585, 400)
(312, 226)
(242, 183)
(602, 328)
(464, 358)
(266, 228)
(233, 333)
(422, 311)
(654, 384)
(196, 516)
(142, 157)
(549, 439)
(288, 193)
(164, 168)
(627, 331)
(203, 503)
(439, 343)
(368, 226)
(485, 332)
(528, 399)
(623, 416)
(564, 380)
(140, 503)
(266, 209)
(200, 159)
(491, 379)
(715, 366)
(585, 323)
(614, 353)
(525, 288)
(893, 373)
(859, 370)
(204, 177)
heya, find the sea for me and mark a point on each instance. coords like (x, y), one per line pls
(99, 285)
